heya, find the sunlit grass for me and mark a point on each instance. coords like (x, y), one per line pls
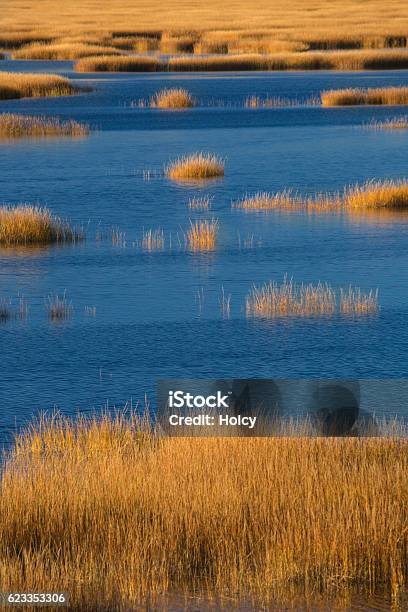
(20, 126)
(202, 235)
(378, 194)
(116, 515)
(27, 85)
(197, 166)
(375, 96)
(62, 51)
(31, 225)
(173, 98)
(355, 302)
(109, 63)
(288, 298)
(288, 200)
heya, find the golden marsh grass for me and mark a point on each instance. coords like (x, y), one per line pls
(62, 51)
(26, 85)
(288, 200)
(202, 235)
(288, 298)
(375, 96)
(318, 25)
(173, 99)
(198, 166)
(33, 225)
(21, 126)
(120, 63)
(353, 301)
(378, 194)
(127, 516)
(387, 194)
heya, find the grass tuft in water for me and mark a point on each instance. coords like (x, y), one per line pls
(375, 96)
(27, 225)
(58, 307)
(392, 194)
(20, 126)
(305, 300)
(197, 166)
(202, 235)
(174, 98)
(394, 123)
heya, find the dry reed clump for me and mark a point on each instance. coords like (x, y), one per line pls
(374, 96)
(173, 98)
(202, 235)
(394, 123)
(27, 85)
(378, 194)
(20, 126)
(29, 225)
(290, 299)
(121, 63)
(62, 51)
(197, 166)
(127, 515)
(153, 240)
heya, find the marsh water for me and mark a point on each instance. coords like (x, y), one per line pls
(140, 316)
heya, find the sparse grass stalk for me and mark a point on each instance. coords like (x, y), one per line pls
(127, 515)
(20, 126)
(197, 166)
(58, 307)
(32, 225)
(153, 240)
(394, 123)
(200, 203)
(202, 235)
(26, 85)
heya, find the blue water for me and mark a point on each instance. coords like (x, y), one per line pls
(149, 321)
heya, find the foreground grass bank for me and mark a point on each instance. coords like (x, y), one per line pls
(32, 85)
(114, 515)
